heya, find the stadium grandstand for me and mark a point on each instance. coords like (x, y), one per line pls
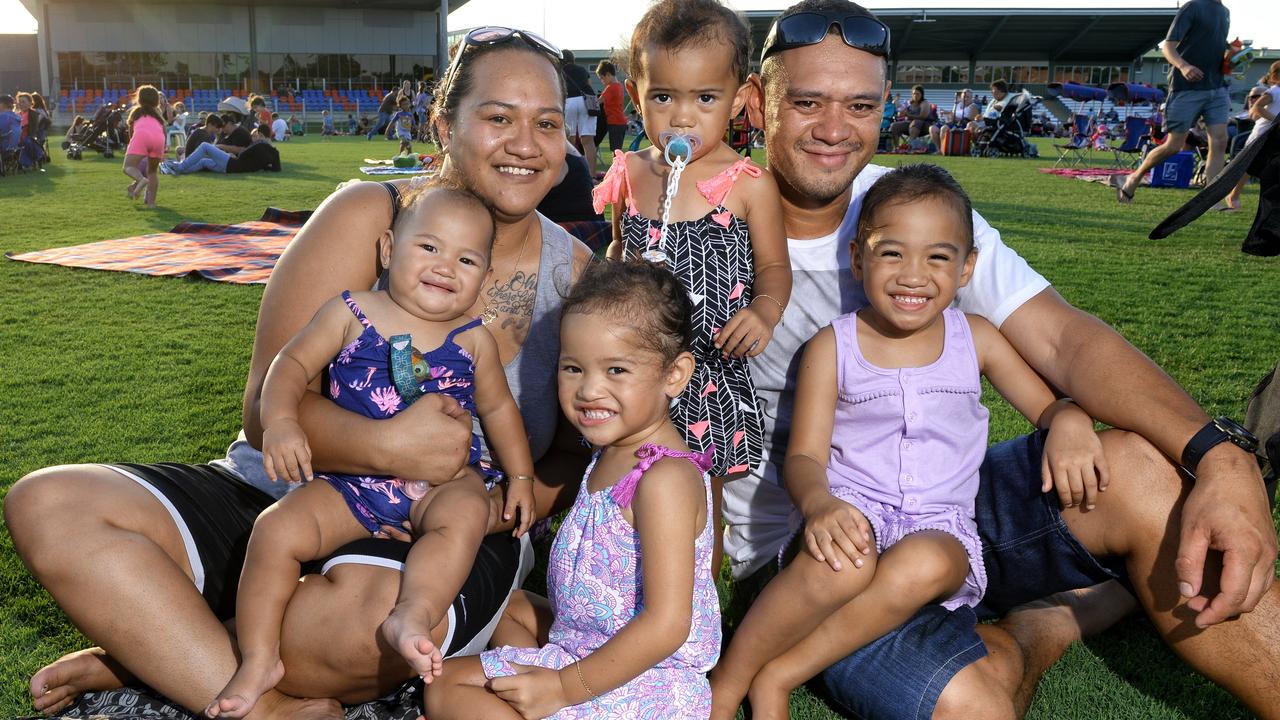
(304, 55)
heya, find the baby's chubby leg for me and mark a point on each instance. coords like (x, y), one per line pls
(449, 524)
(791, 606)
(308, 523)
(921, 568)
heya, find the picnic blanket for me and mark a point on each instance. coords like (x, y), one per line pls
(243, 253)
(404, 704)
(1089, 174)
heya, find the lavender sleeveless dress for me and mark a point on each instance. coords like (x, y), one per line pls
(595, 582)
(907, 443)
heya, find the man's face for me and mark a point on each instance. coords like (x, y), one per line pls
(821, 117)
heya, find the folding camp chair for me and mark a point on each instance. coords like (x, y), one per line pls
(1129, 153)
(1079, 150)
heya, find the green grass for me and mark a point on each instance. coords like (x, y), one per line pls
(110, 366)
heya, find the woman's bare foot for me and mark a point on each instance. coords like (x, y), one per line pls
(58, 684)
(408, 630)
(252, 679)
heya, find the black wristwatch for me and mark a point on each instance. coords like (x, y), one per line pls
(1219, 429)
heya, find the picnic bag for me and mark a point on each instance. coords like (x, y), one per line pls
(1262, 418)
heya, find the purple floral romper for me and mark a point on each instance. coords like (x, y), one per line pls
(595, 580)
(360, 381)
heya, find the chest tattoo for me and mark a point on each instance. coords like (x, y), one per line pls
(513, 300)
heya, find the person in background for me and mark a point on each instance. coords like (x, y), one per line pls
(352, 124)
(279, 129)
(385, 109)
(326, 123)
(570, 199)
(296, 127)
(206, 133)
(147, 144)
(10, 125)
(402, 126)
(236, 125)
(578, 123)
(1263, 109)
(611, 105)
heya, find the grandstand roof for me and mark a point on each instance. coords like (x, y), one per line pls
(1063, 35)
(428, 5)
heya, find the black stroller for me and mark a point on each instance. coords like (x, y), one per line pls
(105, 133)
(1007, 134)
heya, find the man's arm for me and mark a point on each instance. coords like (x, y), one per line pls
(1169, 48)
(1110, 379)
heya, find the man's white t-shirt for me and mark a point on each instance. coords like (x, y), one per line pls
(279, 128)
(759, 516)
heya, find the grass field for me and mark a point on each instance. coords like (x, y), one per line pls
(110, 366)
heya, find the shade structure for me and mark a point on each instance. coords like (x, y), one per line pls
(1076, 91)
(1130, 93)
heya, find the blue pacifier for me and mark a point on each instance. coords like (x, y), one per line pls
(678, 146)
(677, 149)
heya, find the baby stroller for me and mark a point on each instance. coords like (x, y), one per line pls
(1007, 134)
(104, 133)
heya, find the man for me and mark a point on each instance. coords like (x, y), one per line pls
(1193, 47)
(580, 125)
(10, 125)
(821, 130)
(385, 109)
(279, 130)
(206, 133)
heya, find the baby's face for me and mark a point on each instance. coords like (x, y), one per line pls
(439, 257)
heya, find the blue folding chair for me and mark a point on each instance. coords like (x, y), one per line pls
(1079, 149)
(1129, 153)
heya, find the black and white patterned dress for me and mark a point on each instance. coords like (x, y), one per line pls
(712, 257)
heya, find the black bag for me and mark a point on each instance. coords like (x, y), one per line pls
(592, 103)
(1262, 418)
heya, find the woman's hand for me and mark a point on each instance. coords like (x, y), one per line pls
(833, 523)
(534, 692)
(745, 335)
(433, 433)
(285, 453)
(1073, 460)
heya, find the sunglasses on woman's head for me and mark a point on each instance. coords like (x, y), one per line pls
(861, 32)
(496, 35)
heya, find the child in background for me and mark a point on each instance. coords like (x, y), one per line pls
(1263, 111)
(633, 622)
(402, 125)
(437, 259)
(883, 464)
(147, 144)
(725, 240)
(352, 125)
(326, 123)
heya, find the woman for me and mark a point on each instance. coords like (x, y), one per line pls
(917, 120)
(500, 124)
(964, 116)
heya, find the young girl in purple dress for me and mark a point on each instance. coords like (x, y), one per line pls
(437, 260)
(632, 624)
(883, 464)
(723, 235)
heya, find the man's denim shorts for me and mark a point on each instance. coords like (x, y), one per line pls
(1185, 106)
(1029, 554)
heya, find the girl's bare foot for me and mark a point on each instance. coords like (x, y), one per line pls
(134, 189)
(408, 630)
(769, 701)
(58, 684)
(252, 679)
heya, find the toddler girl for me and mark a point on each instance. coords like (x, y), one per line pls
(437, 259)
(883, 464)
(633, 622)
(147, 144)
(402, 126)
(725, 240)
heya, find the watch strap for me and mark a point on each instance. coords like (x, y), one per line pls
(1203, 441)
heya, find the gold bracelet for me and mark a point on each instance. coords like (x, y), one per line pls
(577, 665)
(519, 477)
(782, 309)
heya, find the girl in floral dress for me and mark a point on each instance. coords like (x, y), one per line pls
(437, 258)
(633, 622)
(721, 231)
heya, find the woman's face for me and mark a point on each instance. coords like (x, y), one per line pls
(916, 96)
(505, 140)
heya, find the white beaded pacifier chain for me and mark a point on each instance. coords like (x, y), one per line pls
(678, 150)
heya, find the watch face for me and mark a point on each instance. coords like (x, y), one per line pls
(1237, 433)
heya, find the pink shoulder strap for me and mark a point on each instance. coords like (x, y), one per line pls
(607, 192)
(716, 189)
(624, 491)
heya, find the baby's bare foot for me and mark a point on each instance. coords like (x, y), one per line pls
(408, 630)
(253, 678)
(58, 684)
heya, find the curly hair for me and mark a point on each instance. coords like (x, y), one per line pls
(911, 183)
(642, 295)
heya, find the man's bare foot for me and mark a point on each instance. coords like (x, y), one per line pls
(408, 630)
(252, 679)
(1061, 619)
(275, 706)
(58, 684)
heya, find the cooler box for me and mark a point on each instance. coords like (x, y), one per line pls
(1175, 172)
(956, 142)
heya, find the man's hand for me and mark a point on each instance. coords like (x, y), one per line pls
(1226, 511)
(1191, 72)
(534, 692)
(432, 434)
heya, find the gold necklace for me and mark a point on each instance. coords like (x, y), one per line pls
(488, 315)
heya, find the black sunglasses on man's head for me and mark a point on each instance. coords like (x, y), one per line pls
(861, 32)
(496, 35)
